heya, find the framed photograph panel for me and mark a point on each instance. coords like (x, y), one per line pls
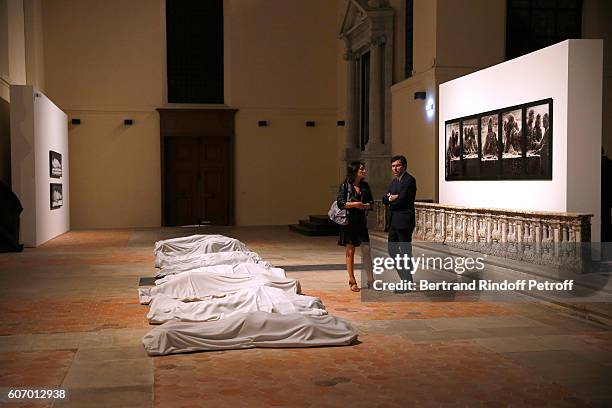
(469, 148)
(57, 196)
(512, 143)
(453, 151)
(489, 146)
(55, 164)
(538, 140)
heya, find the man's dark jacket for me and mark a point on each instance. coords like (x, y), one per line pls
(402, 209)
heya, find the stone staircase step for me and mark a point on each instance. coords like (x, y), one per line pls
(312, 232)
(318, 226)
(321, 219)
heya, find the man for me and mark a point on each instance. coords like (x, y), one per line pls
(400, 199)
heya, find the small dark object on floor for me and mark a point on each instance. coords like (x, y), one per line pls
(147, 281)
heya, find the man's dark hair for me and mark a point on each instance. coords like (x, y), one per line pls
(401, 158)
(351, 170)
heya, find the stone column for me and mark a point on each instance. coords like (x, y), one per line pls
(376, 93)
(556, 237)
(578, 234)
(351, 98)
(443, 226)
(519, 237)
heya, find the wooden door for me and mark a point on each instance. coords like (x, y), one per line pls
(197, 181)
(214, 181)
(181, 175)
(197, 166)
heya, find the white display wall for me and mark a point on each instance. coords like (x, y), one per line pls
(38, 126)
(571, 74)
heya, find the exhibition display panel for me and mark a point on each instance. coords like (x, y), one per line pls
(39, 165)
(526, 134)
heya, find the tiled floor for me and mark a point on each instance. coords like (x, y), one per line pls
(69, 317)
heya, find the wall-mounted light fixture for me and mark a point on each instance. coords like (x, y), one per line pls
(75, 121)
(429, 104)
(430, 107)
(128, 122)
(262, 123)
(310, 123)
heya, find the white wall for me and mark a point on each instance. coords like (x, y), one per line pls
(38, 126)
(584, 128)
(571, 74)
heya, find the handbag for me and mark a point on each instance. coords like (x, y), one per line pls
(336, 214)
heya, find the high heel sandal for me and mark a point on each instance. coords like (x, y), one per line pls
(353, 286)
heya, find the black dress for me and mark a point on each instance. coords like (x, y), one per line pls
(356, 231)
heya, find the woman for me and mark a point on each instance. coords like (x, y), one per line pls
(355, 195)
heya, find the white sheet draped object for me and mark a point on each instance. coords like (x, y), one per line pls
(175, 250)
(248, 330)
(192, 286)
(260, 298)
(243, 268)
(192, 261)
(180, 244)
(216, 294)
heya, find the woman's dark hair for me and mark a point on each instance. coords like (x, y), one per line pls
(352, 169)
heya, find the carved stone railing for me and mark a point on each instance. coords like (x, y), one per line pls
(551, 238)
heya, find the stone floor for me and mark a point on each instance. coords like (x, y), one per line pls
(69, 317)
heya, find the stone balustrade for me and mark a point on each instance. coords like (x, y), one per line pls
(550, 238)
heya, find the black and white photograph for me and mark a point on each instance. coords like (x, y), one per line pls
(469, 152)
(57, 196)
(512, 143)
(538, 140)
(509, 143)
(55, 164)
(489, 142)
(453, 151)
